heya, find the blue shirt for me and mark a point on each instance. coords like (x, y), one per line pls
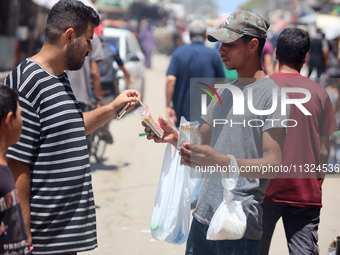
(192, 61)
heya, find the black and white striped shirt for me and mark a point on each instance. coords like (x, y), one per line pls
(54, 146)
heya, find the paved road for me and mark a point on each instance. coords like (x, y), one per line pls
(125, 186)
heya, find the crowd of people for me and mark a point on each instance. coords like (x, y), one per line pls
(46, 201)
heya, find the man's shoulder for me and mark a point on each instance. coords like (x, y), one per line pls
(286, 75)
(27, 73)
(211, 51)
(205, 48)
(289, 79)
(297, 81)
(181, 52)
(18, 68)
(26, 67)
(266, 82)
(181, 49)
(14, 77)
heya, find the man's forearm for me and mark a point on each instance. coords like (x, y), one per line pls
(272, 145)
(170, 89)
(125, 72)
(98, 117)
(258, 168)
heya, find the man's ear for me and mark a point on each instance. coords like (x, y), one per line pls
(304, 58)
(276, 57)
(8, 119)
(254, 44)
(70, 35)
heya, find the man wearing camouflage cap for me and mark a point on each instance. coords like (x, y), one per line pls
(243, 36)
(254, 146)
(238, 24)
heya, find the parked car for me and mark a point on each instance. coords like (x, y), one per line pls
(132, 55)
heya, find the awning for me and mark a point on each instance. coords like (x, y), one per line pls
(329, 24)
(327, 20)
(332, 32)
(308, 19)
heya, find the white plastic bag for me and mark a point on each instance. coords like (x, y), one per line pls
(171, 213)
(229, 221)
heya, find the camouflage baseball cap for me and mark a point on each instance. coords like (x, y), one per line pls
(238, 24)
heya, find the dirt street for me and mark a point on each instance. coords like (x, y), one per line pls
(125, 185)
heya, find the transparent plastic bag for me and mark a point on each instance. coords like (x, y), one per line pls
(188, 133)
(170, 220)
(229, 221)
(145, 115)
(171, 213)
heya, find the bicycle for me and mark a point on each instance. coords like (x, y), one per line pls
(101, 137)
(98, 140)
(98, 145)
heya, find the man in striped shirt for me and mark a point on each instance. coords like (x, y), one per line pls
(50, 163)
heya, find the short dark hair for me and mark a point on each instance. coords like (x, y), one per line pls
(8, 101)
(67, 14)
(292, 46)
(262, 41)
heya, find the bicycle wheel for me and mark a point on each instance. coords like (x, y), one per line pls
(98, 148)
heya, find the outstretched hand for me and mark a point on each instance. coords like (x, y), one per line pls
(201, 155)
(125, 97)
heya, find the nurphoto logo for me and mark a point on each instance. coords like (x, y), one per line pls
(239, 104)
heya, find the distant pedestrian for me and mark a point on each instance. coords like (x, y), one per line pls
(297, 197)
(318, 55)
(146, 41)
(333, 90)
(267, 58)
(189, 61)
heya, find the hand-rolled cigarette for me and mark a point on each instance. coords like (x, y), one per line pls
(123, 111)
